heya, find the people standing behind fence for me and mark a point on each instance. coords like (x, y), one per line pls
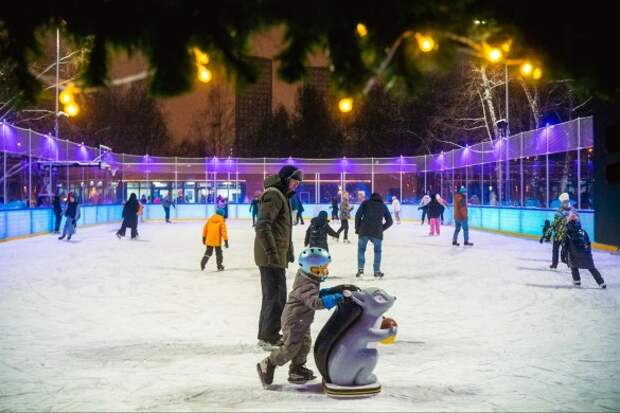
(167, 202)
(424, 206)
(334, 207)
(143, 199)
(254, 207)
(434, 210)
(221, 202)
(131, 210)
(460, 217)
(396, 209)
(370, 225)
(57, 205)
(345, 216)
(72, 215)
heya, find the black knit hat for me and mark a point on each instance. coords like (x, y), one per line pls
(290, 172)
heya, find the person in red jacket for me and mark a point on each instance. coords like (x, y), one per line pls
(460, 217)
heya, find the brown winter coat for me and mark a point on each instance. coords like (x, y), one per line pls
(460, 207)
(303, 301)
(273, 244)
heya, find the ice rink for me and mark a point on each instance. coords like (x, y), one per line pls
(100, 324)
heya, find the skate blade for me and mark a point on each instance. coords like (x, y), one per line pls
(301, 381)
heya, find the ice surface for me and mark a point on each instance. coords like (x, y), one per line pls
(108, 325)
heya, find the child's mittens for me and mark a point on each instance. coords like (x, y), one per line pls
(203, 240)
(329, 301)
(226, 243)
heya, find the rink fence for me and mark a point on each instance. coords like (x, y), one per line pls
(525, 221)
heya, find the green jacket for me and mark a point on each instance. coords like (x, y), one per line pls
(558, 226)
(273, 244)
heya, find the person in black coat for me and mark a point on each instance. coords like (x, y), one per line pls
(577, 252)
(316, 234)
(334, 207)
(130, 217)
(370, 225)
(434, 211)
(57, 213)
(254, 208)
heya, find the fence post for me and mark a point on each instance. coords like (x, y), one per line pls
(372, 175)
(578, 163)
(29, 168)
(547, 163)
(521, 172)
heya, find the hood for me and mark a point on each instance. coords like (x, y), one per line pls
(276, 182)
(376, 197)
(318, 220)
(216, 219)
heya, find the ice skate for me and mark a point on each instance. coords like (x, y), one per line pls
(379, 274)
(360, 273)
(300, 375)
(468, 244)
(553, 266)
(456, 244)
(203, 262)
(220, 268)
(265, 371)
(603, 286)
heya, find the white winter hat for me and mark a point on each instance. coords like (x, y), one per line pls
(564, 197)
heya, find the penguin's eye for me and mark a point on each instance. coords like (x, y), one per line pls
(380, 299)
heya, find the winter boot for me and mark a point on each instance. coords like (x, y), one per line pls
(469, 244)
(456, 244)
(300, 374)
(61, 237)
(553, 266)
(360, 273)
(69, 238)
(379, 274)
(118, 235)
(203, 262)
(265, 371)
(577, 284)
(603, 286)
(220, 268)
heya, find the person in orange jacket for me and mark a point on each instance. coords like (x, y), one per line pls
(213, 233)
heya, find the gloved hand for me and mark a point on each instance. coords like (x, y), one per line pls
(226, 243)
(324, 291)
(331, 300)
(541, 239)
(203, 240)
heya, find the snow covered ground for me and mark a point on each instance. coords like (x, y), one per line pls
(108, 325)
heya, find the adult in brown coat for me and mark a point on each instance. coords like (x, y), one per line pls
(273, 250)
(460, 217)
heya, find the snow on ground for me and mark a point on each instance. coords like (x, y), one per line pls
(108, 325)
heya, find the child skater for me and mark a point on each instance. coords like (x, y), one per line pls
(213, 233)
(304, 299)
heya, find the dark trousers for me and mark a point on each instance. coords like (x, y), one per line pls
(167, 212)
(133, 226)
(57, 223)
(344, 226)
(219, 257)
(555, 254)
(595, 274)
(423, 215)
(299, 218)
(273, 284)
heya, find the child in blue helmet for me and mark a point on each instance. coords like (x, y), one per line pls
(304, 299)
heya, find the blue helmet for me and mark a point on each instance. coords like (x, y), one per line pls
(220, 211)
(313, 257)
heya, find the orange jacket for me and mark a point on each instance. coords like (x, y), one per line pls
(460, 206)
(215, 231)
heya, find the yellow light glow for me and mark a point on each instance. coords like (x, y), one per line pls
(72, 109)
(204, 74)
(506, 46)
(345, 105)
(201, 57)
(537, 73)
(361, 29)
(494, 55)
(65, 97)
(526, 69)
(425, 43)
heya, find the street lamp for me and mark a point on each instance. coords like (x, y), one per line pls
(345, 105)
(361, 29)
